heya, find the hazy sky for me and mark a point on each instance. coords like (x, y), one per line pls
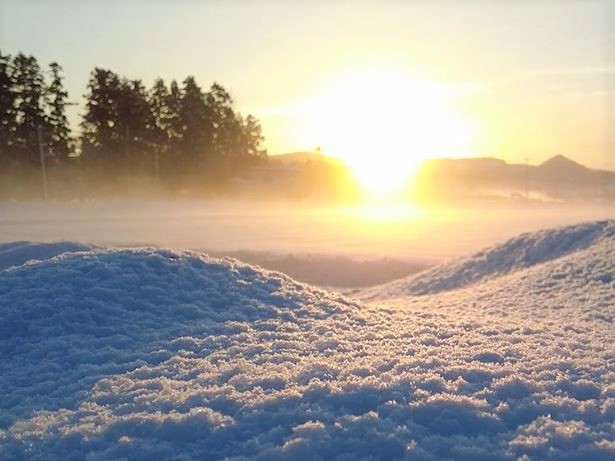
(536, 77)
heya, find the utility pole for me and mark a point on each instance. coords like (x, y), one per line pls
(157, 166)
(527, 178)
(41, 152)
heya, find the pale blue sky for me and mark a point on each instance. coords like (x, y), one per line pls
(542, 70)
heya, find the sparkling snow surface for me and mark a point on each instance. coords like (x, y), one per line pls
(155, 354)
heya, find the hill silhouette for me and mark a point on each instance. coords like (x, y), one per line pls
(558, 178)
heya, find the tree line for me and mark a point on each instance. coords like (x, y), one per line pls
(29, 101)
(177, 132)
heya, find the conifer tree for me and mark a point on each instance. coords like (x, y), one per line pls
(100, 138)
(8, 114)
(225, 123)
(135, 122)
(158, 99)
(175, 124)
(30, 90)
(196, 123)
(60, 140)
(253, 138)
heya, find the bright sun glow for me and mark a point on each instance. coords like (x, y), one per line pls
(383, 124)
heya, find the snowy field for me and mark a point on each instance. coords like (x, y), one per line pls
(344, 247)
(155, 354)
(229, 225)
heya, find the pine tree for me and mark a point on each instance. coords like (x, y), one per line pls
(100, 138)
(158, 99)
(225, 123)
(175, 124)
(165, 104)
(60, 140)
(8, 114)
(197, 130)
(30, 88)
(253, 138)
(135, 122)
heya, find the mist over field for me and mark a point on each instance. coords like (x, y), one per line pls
(358, 245)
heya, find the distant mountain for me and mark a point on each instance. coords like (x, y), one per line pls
(558, 178)
(563, 169)
(302, 157)
(562, 164)
(468, 179)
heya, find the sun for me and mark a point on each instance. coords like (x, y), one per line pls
(383, 124)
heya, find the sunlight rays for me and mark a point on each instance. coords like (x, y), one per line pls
(383, 124)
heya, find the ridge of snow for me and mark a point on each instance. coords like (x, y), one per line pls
(18, 253)
(521, 252)
(107, 311)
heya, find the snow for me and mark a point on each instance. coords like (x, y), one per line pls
(18, 253)
(156, 354)
(359, 232)
(521, 252)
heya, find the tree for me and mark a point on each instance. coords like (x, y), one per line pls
(196, 123)
(224, 121)
(167, 132)
(253, 138)
(158, 99)
(174, 120)
(135, 122)
(8, 114)
(118, 126)
(30, 89)
(60, 140)
(100, 139)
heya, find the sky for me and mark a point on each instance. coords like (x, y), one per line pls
(532, 78)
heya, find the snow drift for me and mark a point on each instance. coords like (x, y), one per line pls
(69, 320)
(18, 253)
(521, 252)
(156, 354)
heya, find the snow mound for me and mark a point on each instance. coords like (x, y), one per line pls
(522, 252)
(156, 354)
(68, 321)
(18, 253)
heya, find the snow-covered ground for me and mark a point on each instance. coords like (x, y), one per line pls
(522, 252)
(359, 232)
(153, 354)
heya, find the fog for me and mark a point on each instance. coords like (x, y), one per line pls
(332, 246)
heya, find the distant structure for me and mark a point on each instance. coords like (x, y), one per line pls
(527, 178)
